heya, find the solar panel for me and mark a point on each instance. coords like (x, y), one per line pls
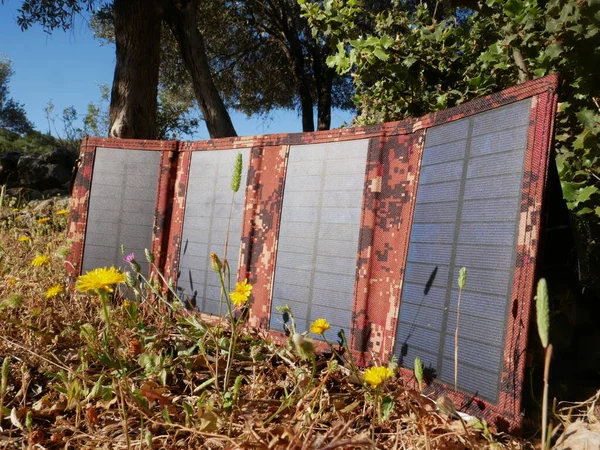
(366, 227)
(208, 213)
(122, 207)
(318, 234)
(477, 229)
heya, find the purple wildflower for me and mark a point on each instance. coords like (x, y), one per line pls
(129, 258)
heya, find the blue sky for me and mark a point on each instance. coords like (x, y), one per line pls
(67, 68)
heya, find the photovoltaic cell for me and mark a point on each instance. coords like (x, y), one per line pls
(206, 219)
(318, 237)
(122, 207)
(466, 215)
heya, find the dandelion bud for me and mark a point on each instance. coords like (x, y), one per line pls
(237, 174)
(217, 265)
(304, 347)
(446, 406)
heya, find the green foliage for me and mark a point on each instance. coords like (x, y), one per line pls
(412, 61)
(12, 114)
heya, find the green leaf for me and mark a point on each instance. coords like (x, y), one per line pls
(553, 50)
(387, 404)
(569, 192)
(409, 61)
(381, 54)
(339, 60)
(583, 139)
(513, 8)
(475, 82)
(385, 41)
(585, 193)
(588, 118)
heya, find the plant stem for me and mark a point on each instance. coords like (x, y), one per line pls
(545, 444)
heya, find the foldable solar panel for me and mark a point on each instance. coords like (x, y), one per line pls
(365, 227)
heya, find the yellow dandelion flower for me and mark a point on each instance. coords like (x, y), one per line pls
(126, 303)
(319, 326)
(43, 220)
(11, 281)
(40, 260)
(62, 212)
(18, 217)
(99, 280)
(55, 290)
(241, 294)
(15, 210)
(24, 238)
(377, 375)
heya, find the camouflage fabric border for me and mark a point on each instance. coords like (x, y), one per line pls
(165, 191)
(262, 214)
(392, 170)
(180, 184)
(80, 198)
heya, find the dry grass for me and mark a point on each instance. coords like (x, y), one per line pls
(155, 382)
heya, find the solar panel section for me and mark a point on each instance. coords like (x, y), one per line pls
(207, 214)
(466, 215)
(121, 208)
(318, 237)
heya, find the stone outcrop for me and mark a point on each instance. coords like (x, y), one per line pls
(37, 172)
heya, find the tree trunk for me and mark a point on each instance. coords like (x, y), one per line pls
(324, 81)
(133, 100)
(182, 20)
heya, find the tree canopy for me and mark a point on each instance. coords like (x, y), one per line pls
(422, 59)
(12, 113)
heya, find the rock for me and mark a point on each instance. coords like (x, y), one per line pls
(30, 171)
(60, 156)
(8, 167)
(40, 172)
(9, 160)
(57, 176)
(579, 436)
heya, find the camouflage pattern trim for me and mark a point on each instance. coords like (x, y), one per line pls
(392, 171)
(164, 207)
(80, 198)
(180, 183)
(262, 215)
